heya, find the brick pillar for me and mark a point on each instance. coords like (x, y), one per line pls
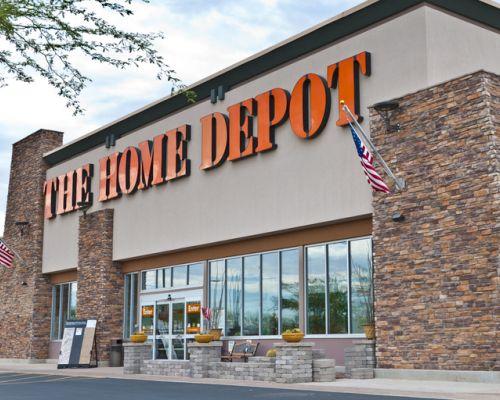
(294, 362)
(100, 280)
(435, 274)
(25, 294)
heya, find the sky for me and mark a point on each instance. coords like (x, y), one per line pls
(201, 38)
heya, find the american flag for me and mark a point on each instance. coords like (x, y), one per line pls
(373, 178)
(6, 255)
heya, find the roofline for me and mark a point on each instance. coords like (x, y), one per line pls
(344, 24)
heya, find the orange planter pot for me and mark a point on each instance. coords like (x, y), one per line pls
(292, 337)
(138, 337)
(203, 338)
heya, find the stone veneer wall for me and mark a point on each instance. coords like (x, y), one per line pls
(436, 273)
(100, 280)
(25, 310)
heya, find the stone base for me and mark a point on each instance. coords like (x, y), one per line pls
(323, 370)
(359, 359)
(294, 362)
(134, 357)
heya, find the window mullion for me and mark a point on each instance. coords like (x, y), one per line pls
(327, 290)
(349, 287)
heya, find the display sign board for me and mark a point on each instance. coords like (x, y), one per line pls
(78, 347)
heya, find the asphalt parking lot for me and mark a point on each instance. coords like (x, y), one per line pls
(17, 386)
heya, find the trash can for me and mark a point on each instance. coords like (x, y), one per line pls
(116, 354)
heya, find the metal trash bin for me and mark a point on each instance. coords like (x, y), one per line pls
(116, 353)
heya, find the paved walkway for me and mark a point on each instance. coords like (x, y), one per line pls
(387, 387)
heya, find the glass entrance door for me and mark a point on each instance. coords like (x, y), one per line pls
(171, 324)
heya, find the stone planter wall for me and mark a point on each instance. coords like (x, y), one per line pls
(294, 363)
(135, 356)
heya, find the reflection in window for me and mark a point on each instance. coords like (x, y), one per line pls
(196, 274)
(316, 287)
(233, 297)
(338, 280)
(289, 289)
(251, 293)
(217, 279)
(149, 280)
(361, 284)
(179, 276)
(270, 293)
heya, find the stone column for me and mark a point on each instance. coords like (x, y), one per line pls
(134, 355)
(323, 370)
(359, 359)
(436, 272)
(201, 355)
(100, 280)
(294, 362)
(25, 293)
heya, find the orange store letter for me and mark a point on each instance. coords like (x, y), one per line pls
(108, 177)
(214, 138)
(309, 106)
(272, 109)
(242, 143)
(344, 75)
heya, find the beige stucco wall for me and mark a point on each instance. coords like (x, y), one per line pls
(301, 182)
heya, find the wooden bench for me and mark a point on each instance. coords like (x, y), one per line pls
(240, 350)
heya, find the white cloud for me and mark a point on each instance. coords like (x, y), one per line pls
(201, 38)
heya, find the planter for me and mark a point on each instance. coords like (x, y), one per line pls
(203, 338)
(216, 333)
(292, 337)
(369, 331)
(138, 337)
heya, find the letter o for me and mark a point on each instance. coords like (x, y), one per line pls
(309, 106)
(128, 170)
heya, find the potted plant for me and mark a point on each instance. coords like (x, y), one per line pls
(138, 337)
(292, 335)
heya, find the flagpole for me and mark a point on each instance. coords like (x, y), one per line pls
(400, 182)
(15, 252)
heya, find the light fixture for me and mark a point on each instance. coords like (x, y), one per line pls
(169, 297)
(398, 217)
(384, 109)
(23, 226)
(84, 206)
(24, 283)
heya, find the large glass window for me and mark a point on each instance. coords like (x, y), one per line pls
(270, 293)
(233, 297)
(217, 290)
(177, 276)
(130, 320)
(251, 295)
(289, 289)
(262, 290)
(63, 308)
(339, 287)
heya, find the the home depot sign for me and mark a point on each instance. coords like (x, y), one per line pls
(224, 137)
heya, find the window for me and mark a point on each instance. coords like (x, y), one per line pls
(196, 274)
(259, 293)
(63, 308)
(130, 321)
(339, 297)
(177, 276)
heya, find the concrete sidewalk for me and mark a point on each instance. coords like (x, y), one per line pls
(388, 387)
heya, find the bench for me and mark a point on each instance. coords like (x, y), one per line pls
(240, 350)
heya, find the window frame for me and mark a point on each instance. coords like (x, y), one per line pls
(59, 329)
(243, 256)
(170, 268)
(327, 271)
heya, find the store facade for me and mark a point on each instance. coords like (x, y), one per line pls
(252, 201)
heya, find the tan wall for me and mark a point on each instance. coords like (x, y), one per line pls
(301, 183)
(63, 277)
